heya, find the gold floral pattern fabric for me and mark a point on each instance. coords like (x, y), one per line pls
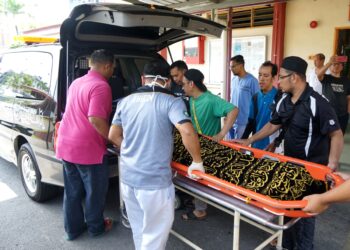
(278, 180)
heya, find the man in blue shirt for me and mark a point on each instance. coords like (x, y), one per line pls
(243, 87)
(142, 128)
(260, 105)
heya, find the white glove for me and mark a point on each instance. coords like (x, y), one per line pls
(195, 166)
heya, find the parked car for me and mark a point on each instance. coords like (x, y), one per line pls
(34, 79)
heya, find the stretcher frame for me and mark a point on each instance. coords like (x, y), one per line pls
(241, 211)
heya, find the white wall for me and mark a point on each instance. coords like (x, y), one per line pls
(300, 39)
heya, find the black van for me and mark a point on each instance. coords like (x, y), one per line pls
(34, 79)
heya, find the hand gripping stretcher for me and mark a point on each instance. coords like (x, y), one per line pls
(258, 210)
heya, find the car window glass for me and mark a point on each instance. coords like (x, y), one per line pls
(26, 75)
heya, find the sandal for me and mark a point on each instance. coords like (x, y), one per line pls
(191, 216)
(108, 223)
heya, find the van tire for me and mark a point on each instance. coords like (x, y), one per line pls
(31, 177)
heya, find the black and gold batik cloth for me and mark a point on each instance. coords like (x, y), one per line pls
(278, 180)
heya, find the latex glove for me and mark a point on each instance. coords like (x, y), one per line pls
(195, 166)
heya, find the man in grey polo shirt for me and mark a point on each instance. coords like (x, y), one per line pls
(143, 129)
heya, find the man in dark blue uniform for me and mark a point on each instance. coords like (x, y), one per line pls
(312, 133)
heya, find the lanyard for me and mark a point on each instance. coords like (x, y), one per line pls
(195, 118)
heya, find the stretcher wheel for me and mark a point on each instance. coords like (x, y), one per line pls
(126, 223)
(124, 217)
(178, 202)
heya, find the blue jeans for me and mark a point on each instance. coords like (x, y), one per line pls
(89, 182)
(301, 235)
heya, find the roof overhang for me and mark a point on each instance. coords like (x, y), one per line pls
(193, 6)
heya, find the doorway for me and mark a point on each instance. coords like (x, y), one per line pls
(342, 47)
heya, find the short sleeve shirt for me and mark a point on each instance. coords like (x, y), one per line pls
(242, 91)
(148, 120)
(263, 114)
(206, 113)
(308, 124)
(78, 141)
(336, 90)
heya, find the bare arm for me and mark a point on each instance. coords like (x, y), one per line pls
(101, 126)
(230, 119)
(320, 73)
(267, 130)
(116, 135)
(348, 98)
(318, 203)
(190, 140)
(337, 142)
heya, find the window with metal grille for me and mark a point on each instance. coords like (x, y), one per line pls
(251, 17)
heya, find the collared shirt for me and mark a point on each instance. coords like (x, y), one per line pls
(177, 91)
(263, 114)
(148, 117)
(308, 124)
(78, 141)
(242, 90)
(206, 113)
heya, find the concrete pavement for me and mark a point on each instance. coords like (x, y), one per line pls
(25, 224)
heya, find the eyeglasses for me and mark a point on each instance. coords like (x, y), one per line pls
(282, 77)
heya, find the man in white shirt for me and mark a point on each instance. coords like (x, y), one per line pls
(312, 76)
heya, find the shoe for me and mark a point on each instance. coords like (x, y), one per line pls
(70, 237)
(191, 216)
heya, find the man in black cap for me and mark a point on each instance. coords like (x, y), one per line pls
(207, 110)
(312, 133)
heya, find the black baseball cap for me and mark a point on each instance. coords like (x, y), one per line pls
(295, 64)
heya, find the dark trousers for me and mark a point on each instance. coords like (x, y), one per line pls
(301, 235)
(89, 182)
(343, 122)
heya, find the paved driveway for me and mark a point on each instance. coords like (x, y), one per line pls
(25, 224)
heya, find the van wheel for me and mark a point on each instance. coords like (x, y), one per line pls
(31, 178)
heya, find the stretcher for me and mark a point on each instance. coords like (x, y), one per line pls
(241, 211)
(290, 208)
(259, 210)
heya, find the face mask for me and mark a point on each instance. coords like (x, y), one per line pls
(155, 83)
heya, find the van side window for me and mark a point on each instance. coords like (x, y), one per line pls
(26, 74)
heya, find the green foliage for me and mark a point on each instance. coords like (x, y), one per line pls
(23, 81)
(11, 6)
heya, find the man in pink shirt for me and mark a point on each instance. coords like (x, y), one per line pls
(81, 145)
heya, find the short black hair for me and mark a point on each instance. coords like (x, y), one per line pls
(155, 68)
(273, 67)
(238, 59)
(179, 64)
(102, 56)
(320, 56)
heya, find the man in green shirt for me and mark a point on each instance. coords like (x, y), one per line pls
(207, 110)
